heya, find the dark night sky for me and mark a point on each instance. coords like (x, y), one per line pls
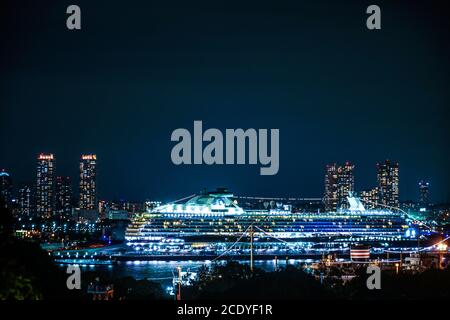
(138, 70)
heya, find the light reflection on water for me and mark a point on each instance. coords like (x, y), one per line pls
(163, 271)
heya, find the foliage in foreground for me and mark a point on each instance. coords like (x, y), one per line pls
(235, 281)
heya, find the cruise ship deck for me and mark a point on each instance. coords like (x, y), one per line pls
(210, 220)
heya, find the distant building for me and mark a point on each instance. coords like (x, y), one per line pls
(5, 188)
(424, 193)
(369, 198)
(88, 182)
(25, 201)
(63, 197)
(387, 176)
(408, 205)
(131, 207)
(339, 182)
(45, 185)
(117, 215)
(102, 206)
(150, 205)
(82, 215)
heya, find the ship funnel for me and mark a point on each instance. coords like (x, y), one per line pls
(355, 203)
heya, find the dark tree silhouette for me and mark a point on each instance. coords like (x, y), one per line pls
(236, 281)
(27, 271)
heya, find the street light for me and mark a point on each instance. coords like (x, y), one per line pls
(441, 247)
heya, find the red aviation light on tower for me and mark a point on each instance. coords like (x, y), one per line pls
(88, 157)
(43, 156)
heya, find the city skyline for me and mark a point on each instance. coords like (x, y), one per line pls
(336, 91)
(339, 181)
(363, 181)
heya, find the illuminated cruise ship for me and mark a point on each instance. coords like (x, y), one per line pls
(214, 218)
